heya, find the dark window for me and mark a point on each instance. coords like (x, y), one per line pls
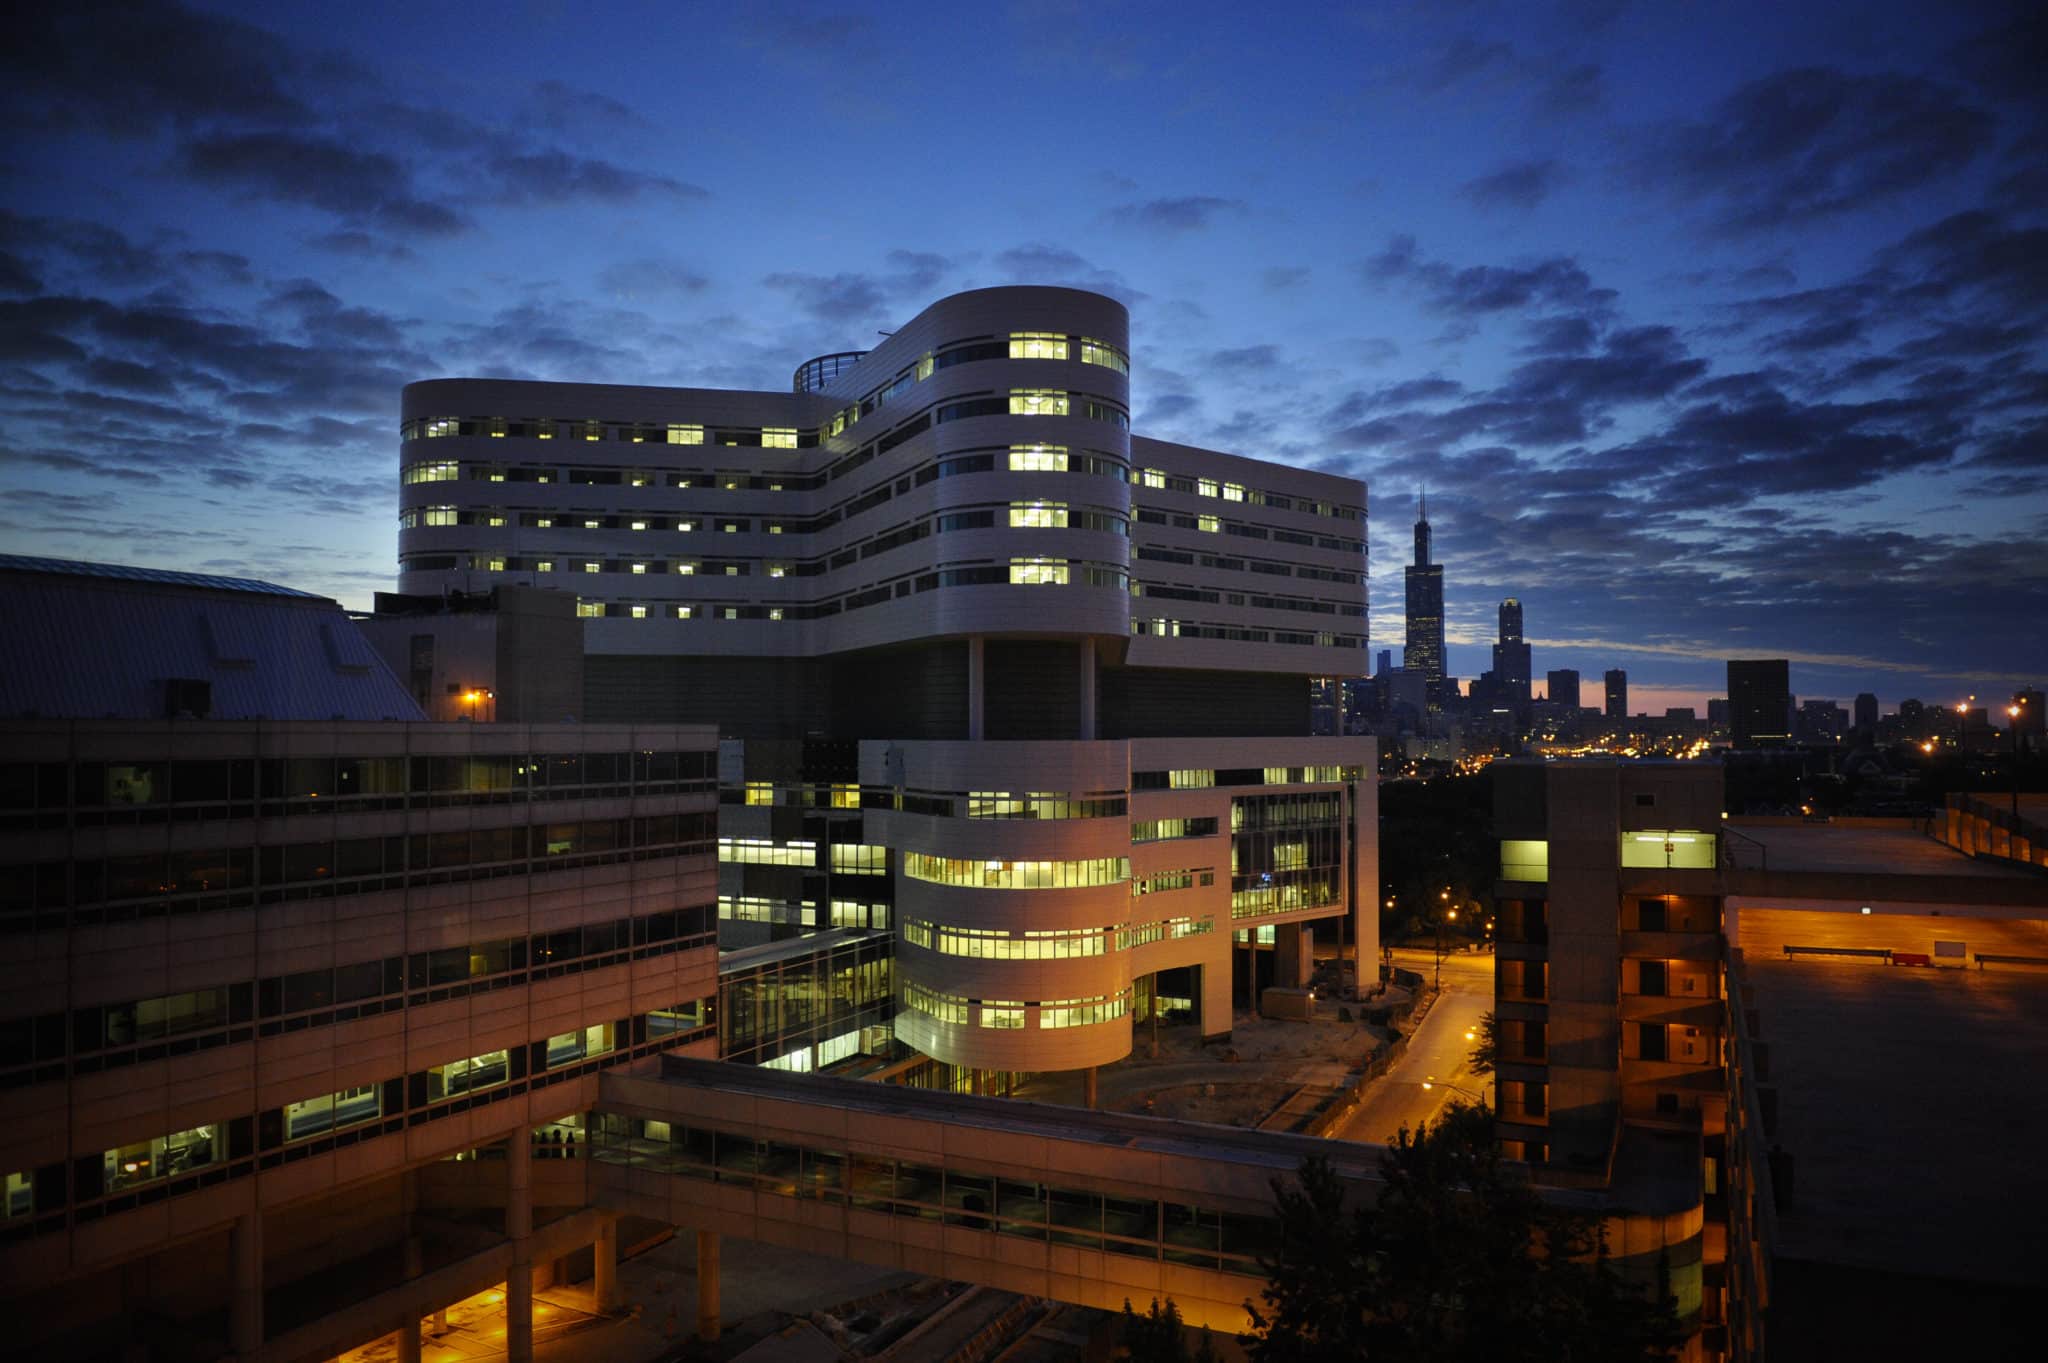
(1650, 1040)
(1650, 914)
(1650, 975)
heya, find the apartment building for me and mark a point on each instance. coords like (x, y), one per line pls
(285, 957)
(1777, 1046)
(993, 674)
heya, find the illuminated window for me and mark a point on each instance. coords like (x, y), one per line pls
(1015, 875)
(778, 570)
(593, 430)
(581, 1044)
(1233, 492)
(778, 437)
(544, 522)
(593, 523)
(1152, 478)
(764, 852)
(637, 480)
(731, 613)
(1038, 515)
(1037, 402)
(438, 515)
(544, 430)
(1104, 354)
(164, 1157)
(685, 435)
(446, 425)
(846, 797)
(760, 793)
(640, 568)
(774, 527)
(1083, 1012)
(686, 569)
(494, 565)
(545, 565)
(925, 366)
(1037, 345)
(685, 612)
(639, 525)
(1038, 458)
(590, 610)
(686, 526)
(1208, 523)
(1207, 487)
(860, 859)
(775, 612)
(1002, 1014)
(494, 519)
(467, 1076)
(639, 612)
(593, 567)
(332, 1111)
(1026, 572)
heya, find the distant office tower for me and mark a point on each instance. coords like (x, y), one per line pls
(1511, 654)
(1563, 686)
(1866, 710)
(1717, 714)
(1425, 651)
(1759, 702)
(1386, 663)
(1822, 721)
(1617, 694)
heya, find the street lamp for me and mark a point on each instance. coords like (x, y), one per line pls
(2012, 725)
(1442, 914)
(1432, 1083)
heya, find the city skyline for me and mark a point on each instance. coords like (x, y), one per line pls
(1728, 346)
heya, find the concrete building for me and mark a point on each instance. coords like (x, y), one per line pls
(1866, 711)
(1511, 655)
(988, 666)
(1673, 991)
(283, 962)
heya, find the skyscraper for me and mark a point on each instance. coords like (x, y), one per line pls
(1866, 710)
(1759, 702)
(1562, 686)
(1617, 693)
(1511, 654)
(1425, 650)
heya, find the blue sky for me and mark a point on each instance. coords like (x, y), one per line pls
(1712, 331)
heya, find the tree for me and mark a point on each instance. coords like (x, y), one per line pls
(1486, 1050)
(1459, 1260)
(1159, 1337)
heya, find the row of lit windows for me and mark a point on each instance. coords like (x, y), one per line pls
(1163, 481)
(1039, 804)
(1257, 900)
(1017, 875)
(841, 913)
(638, 433)
(1202, 778)
(1189, 629)
(1048, 945)
(762, 794)
(1166, 830)
(1011, 1014)
(1161, 881)
(764, 852)
(1023, 345)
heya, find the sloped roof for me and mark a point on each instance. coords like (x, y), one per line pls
(102, 641)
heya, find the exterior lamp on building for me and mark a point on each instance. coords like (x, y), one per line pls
(2012, 726)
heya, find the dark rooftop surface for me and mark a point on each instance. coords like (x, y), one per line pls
(1897, 850)
(1911, 1102)
(23, 563)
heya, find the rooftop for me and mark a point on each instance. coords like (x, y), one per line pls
(66, 567)
(1890, 848)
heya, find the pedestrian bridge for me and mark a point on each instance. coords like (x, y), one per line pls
(1063, 1203)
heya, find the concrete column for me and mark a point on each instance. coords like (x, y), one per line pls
(1088, 1088)
(604, 1258)
(1087, 733)
(245, 1320)
(977, 686)
(1293, 955)
(707, 1285)
(409, 1196)
(409, 1341)
(519, 1229)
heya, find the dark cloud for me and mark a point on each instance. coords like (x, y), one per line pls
(1815, 142)
(850, 297)
(1186, 214)
(1246, 358)
(130, 68)
(320, 171)
(552, 176)
(1572, 90)
(1476, 290)
(1465, 58)
(1519, 184)
(562, 108)
(1277, 278)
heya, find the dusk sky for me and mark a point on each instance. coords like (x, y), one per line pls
(1711, 330)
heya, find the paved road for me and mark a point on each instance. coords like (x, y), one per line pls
(1438, 1050)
